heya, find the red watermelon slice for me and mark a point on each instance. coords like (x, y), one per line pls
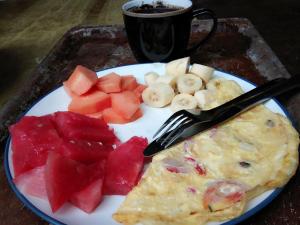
(63, 178)
(79, 127)
(32, 182)
(85, 151)
(32, 138)
(90, 196)
(124, 166)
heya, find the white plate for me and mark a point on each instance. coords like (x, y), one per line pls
(58, 100)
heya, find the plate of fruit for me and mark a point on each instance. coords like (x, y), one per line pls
(78, 151)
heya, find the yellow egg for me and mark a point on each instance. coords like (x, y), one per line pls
(212, 176)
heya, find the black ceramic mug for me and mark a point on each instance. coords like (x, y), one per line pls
(163, 34)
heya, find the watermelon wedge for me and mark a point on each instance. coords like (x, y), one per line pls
(32, 182)
(85, 151)
(74, 126)
(63, 177)
(32, 138)
(119, 180)
(90, 196)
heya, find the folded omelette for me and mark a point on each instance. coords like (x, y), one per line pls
(213, 175)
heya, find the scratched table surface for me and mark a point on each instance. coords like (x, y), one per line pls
(236, 47)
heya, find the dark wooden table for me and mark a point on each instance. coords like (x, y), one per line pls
(235, 48)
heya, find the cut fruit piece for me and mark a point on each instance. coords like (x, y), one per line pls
(178, 67)
(79, 127)
(81, 80)
(204, 98)
(139, 90)
(91, 102)
(150, 77)
(125, 104)
(32, 138)
(96, 115)
(63, 177)
(68, 90)
(158, 95)
(204, 72)
(119, 180)
(64, 119)
(189, 83)
(32, 182)
(128, 83)
(183, 101)
(90, 197)
(110, 116)
(85, 151)
(109, 83)
(167, 79)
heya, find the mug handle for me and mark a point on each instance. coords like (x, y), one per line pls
(211, 14)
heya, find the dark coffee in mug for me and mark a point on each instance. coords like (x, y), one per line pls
(159, 31)
(159, 7)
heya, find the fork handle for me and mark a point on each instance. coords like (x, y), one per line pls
(257, 95)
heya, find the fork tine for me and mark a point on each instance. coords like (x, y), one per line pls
(170, 125)
(178, 133)
(170, 121)
(175, 130)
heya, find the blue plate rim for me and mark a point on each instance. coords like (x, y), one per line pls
(53, 221)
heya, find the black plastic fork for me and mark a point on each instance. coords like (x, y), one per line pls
(181, 120)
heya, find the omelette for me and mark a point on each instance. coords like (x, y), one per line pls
(212, 176)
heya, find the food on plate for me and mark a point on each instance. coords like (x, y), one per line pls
(182, 80)
(68, 90)
(188, 83)
(73, 126)
(96, 115)
(204, 98)
(128, 83)
(32, 182)
(63, 177)
(158, 95)
(31, 139)
(204, 72)
(110, 116)
(183, 101)
(167, 79)
(125, 104)
(221, 90)
(81, 80)
(139, 90)
(178, 67)
(110, 83)
(150, 77)
(213, 175)
(62, 158)
(89, 197)
(124, 167)
(92, 102)
(99, 95)
(84, 151)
